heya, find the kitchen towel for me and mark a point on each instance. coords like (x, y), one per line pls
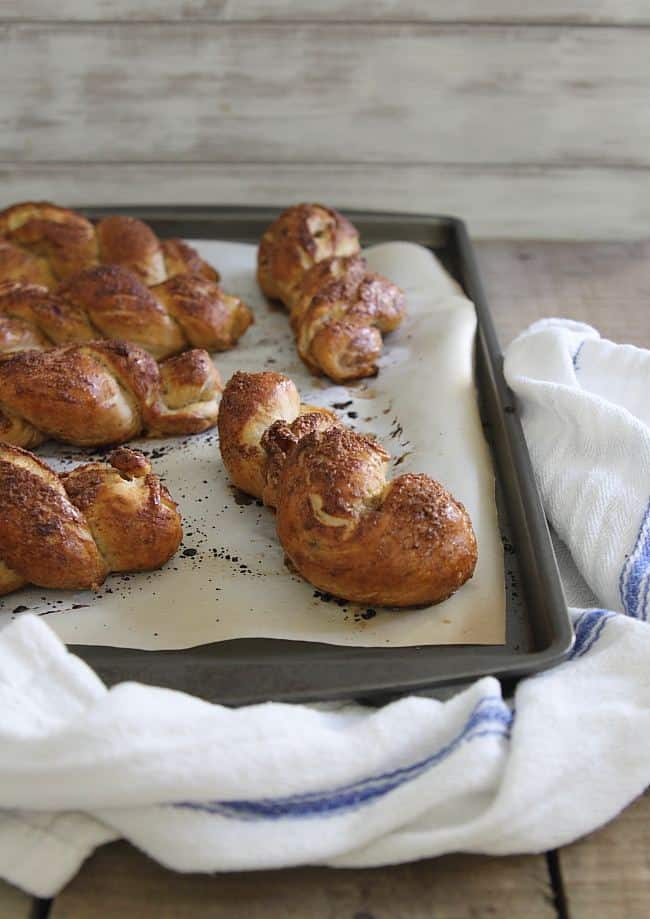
(200, 787)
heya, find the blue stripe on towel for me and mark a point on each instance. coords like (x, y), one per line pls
(576, 355)
(490, 717)
(635, 575)
(588, 629)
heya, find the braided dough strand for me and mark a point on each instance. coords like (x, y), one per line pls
(59, 241)
(310, 259)
(104, 392)
(112, 280)
(70, 531)
(344, 527)
(107, 301)
(45, 243)
(301, 237)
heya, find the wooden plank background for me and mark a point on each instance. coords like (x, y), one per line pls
(119, 882)
(570, 11)
(528, 119)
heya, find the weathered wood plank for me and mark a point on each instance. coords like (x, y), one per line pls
(14, 904)
(603, 284)
(572, 11)
(334, 92)
(118, 881)
(608, 873)
(497, 202)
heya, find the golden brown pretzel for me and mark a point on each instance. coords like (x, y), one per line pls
(43, 243)
(32, 317)
(71, 530)
(52, 242)
(302, 236)
(310, 259)
(97, 278)
(339, 328)
(253, 405)
(104, 392)
(345, 529)
(187, 311)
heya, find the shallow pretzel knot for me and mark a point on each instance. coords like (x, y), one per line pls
(43, 243)
(107, 301)
(301, 237)
(104, 392)
(339, 328)
(71, 530)
(343, 525)
(310, 259)
(63, 280)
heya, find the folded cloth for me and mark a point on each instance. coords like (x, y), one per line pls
(586, 414)
(204, 788)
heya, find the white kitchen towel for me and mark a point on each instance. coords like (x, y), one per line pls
(586, 414)
(202, 787)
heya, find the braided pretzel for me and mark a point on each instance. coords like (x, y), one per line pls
(310, 259)
(104, 392)
(187, 311)
(345, 529)
(42, 243)
(60, 251)
(70, 531)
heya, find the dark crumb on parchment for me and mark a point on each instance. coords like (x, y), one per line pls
(241, 498)
(401, 459)
(325, 597)
(397, 430)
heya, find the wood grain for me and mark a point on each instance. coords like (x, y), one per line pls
(14, 904)
(570, 11)
(119, 881)
(366, 92)
(608, 873)
(497, 202)
(606, 285)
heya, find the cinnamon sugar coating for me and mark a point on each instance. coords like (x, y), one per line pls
(70, 531)
(310, 259)
(184, 312)
(104, 392)
(125, 281)
(344, 526)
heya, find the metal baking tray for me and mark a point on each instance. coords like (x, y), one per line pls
(538, 628)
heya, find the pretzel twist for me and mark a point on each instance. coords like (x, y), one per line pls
(187, 311)
(344, 527)
(71, 530)
(67, 280)
(104, 392)
(43, 243)
(309, 258)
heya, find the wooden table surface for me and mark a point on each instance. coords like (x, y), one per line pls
(606, 874)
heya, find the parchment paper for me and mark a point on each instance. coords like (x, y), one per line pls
(229, 579)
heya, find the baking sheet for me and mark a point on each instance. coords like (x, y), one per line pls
(229, 580)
